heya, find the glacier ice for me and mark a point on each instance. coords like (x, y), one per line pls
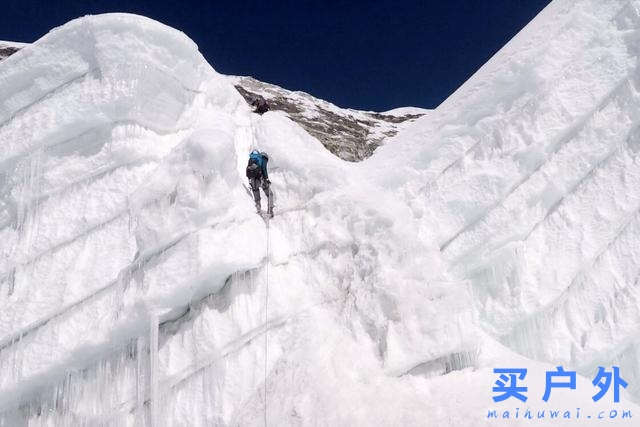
(499, 229)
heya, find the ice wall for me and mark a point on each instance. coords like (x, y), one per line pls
(140, 288)
(527, 176)
(135, 270)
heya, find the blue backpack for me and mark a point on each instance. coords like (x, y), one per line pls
(257, 165)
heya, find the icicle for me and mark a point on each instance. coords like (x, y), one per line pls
(140, 381)
(153, 364)
(207, 396)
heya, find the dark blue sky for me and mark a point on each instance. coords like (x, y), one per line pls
(368, 55)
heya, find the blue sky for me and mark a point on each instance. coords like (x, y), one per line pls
(366, 55)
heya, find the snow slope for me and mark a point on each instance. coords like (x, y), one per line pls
(350, 134)
(139, 288)
(530, 186)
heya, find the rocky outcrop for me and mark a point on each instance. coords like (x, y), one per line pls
(351, 135)
(6, 51)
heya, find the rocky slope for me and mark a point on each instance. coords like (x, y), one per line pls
(9, 48)
(349, 134)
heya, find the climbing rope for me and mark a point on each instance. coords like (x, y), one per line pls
(266, 329)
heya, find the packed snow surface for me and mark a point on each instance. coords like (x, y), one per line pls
(138, 286)
(9, 44)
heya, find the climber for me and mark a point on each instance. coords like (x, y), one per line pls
(258, 176)
(260, 105)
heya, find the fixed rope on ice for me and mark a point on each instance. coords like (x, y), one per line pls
(266, 330)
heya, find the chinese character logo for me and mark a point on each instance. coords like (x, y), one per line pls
(507, 384)
(559, 373)
(603, 381)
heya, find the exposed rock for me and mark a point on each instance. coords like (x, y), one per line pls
(6, 51)
(349, 134)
